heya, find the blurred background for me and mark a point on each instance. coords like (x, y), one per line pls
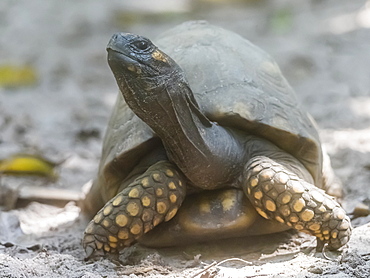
(56, 90)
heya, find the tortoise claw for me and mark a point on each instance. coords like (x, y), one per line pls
(89, 250)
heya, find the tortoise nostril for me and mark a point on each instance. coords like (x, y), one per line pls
(115, 36)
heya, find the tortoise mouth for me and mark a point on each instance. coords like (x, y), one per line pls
(116, 55)
(119, 61)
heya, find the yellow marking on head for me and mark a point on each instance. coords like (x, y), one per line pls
(132, 208)
(98, 218)
(117, 201)
(145, 182)
(107, 210)
(180, 183)
(258, 195)
(299, 204)
(99, 245)
(135, 229)
(106, 247)
(314, 227)
(134, 69)
(157, 177)
(123, 234)
(325, 232)
(327, 237)
(204, 207)
(161, 207)
(173, 198)
(169, 173)
(253, 182)
(158, 55)
(171, 214)
(134, 193)
(146, 201)
(106, 223)
(121, 220)
(270, 205)
(307, 215)
(159, 191)
(262, 213)
(171, 185)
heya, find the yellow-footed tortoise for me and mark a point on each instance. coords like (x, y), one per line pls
(208, 137)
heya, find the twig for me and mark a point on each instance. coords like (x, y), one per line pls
(324, 254)
(219, 263)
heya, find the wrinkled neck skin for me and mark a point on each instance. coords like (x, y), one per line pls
(208, 154)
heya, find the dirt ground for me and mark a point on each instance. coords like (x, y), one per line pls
(323, 49)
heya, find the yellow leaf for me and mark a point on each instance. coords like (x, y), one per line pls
(25, 164)
(14, 76)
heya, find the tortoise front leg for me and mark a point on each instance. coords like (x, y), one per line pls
(152, 198)
(279, 194)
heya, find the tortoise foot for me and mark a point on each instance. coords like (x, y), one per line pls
(280, 195)
(152, 198)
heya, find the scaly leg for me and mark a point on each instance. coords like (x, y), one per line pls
(152, 198)
(279, 194)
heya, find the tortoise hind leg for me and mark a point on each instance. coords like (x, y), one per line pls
(150, 199)
(281, 195)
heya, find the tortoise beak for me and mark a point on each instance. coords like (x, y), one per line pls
(118, 42)
(119, 53)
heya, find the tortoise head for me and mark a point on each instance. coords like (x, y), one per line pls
(138, 65)
(152, 83)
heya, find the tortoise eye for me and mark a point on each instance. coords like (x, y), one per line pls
(141, 45)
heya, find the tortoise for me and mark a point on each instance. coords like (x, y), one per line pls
(207, 141)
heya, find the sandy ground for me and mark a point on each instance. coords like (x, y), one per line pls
(323, 48)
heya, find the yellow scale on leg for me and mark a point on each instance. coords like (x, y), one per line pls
(282, 196)
(152, 198)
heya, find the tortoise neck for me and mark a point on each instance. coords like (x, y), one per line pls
(207, 153)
